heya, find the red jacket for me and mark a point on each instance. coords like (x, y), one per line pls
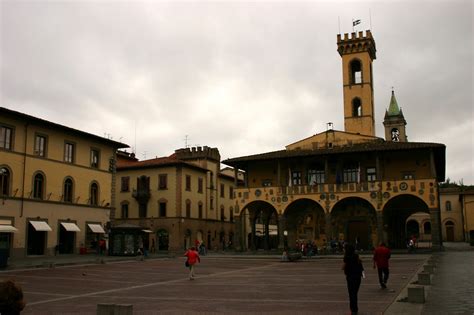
(381, 256)
(193, 256)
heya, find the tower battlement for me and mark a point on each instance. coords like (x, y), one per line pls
(196, 153)
(356, 43)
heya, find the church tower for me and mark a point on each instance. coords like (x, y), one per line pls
(357, 53)
(394, 122)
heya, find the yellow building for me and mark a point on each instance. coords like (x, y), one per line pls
(342, 185)
(457, 217)
(173, 201)
(55, 186)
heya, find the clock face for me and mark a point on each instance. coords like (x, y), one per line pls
(395, 135)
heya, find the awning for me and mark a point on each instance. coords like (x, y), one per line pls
(70, 227)
(41, 226)
(96, 228)
(8, 229)
(147, 231)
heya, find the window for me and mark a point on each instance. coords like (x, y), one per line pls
(350, 174)
(188, 182)
(40, 145)
(427, 227)
(448, 205)
(222, 191)
(356, 107)
(163, 181)
(38, 186)
(371, 174)
(67, 193)
(231, 214)
(296, 178)
(6, 138)
(188, 209)
(200, 185)
(4, 181)
(69, 152)
(222, 214)
(267, 183)
(231, 192)
(408, 175)
(356, 72)
(316, 176)
(211, 203)
(125, 183)
(200, 210)
(162, 209)
(94, 194)
(95, 158)
(124, 210)
(211, 180)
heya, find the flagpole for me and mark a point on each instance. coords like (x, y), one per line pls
(352, 25)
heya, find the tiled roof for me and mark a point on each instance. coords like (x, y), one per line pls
(125, 164)
(24, 117)
(373, 146)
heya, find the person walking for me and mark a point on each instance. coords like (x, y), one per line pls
(192, 258)
(353, 269)
(381, 256)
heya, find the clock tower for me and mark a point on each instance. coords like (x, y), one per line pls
(394, 122)
(357, 53)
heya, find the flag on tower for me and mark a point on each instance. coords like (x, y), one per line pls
(354, 23)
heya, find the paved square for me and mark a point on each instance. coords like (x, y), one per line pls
(223, 285)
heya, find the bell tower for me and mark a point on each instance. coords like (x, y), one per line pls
(394, 122)
(357, 53)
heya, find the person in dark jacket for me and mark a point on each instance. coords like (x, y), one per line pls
(353, 270)
(11, 298)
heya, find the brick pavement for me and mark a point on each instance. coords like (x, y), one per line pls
(452, 289)
(223, 285)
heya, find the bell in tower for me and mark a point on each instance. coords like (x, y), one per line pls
(357, 53)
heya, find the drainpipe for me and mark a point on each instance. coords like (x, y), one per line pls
(24, 171)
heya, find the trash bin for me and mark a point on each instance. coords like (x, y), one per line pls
(4, 253)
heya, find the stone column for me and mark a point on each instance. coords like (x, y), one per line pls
(238, 241)
(328, 227)
(436, 238)
(281, 229)
(380, 234)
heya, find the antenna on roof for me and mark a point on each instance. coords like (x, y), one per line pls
(186, 138)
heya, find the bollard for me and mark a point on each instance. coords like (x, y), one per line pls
(416, 294)
(424, 278)
(105, 309)
(429, 268)
(123, 309)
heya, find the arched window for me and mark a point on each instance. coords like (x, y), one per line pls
(448, 205)
(231, 214)
(356, 72)
(356, 107)
(222, 214)
(94, 194)
(124, 209)
(4, 181)
(68, 190)
(38, 186)
(200, 210)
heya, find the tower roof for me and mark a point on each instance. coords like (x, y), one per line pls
(393, 109)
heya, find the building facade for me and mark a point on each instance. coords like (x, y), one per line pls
(55, 186)
(343, 185)
(174, 201)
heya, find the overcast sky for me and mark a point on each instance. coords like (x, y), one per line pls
(245, 77)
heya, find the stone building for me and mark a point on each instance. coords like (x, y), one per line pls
(55, 186)
(343, 185)
(173, 201)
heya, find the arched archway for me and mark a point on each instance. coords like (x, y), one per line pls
(260, 226)
(354, 220)
(305, 222)
(395, 214)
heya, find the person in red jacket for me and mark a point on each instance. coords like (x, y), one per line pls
(381, 256)
(192, 258)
